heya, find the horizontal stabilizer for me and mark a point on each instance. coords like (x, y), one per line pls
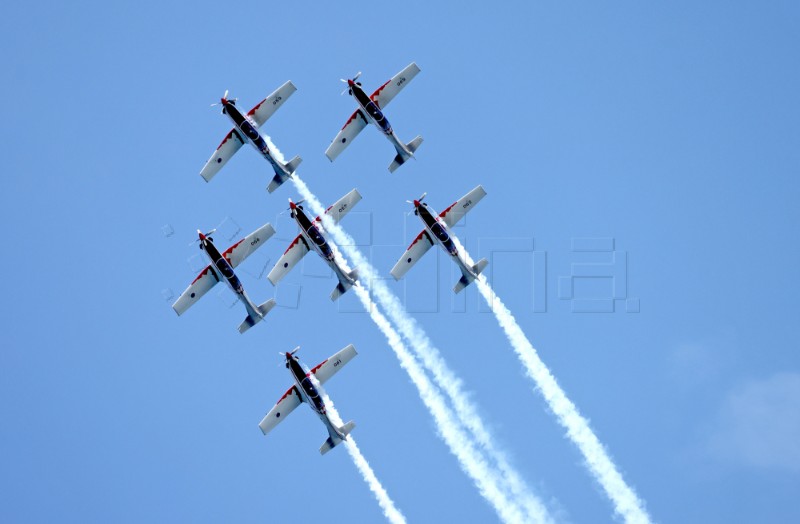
(291, 167)
(331, 442)
(252, 320)
(467, 279)
(338, 291)
(402, 156)
(343, 285)
(414, 144)
(347, 428)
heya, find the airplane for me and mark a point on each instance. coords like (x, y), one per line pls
(311, 237)
(369, 111)
(245, 129)
(221, 268)
(436, 229)
(304, 390)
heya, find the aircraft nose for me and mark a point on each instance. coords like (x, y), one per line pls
(350, 83)
(416, 203)
(201, 235)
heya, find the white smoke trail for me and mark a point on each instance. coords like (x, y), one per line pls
(390, 511)
(626, 503)
(522, 506)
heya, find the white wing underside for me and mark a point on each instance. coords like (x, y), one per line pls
(201, 285)
(343, 206)
(421, 244)
(237, 253)
(384, 94)
(227, 148)
(294, 254)
(267, 107)
(351, 129)
(461, 207)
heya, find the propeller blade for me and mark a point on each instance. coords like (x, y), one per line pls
(423, 196)
(225, 96)
(409, 201)
(356, 77)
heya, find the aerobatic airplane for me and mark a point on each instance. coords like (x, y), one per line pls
(304, 390)
(369, 111)
(311, 237)
(245, 128)
(221, 268)
(436, 230)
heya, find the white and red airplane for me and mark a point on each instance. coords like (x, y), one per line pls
(221, 268)
(369, 111)
(304, 390)
(311, 237)
(436, 230)
(245, 129)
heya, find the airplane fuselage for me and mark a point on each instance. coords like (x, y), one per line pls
(440, 234)
(316, 240)
(374, 115)
(247, 131)
(310, 394)
(223, 271)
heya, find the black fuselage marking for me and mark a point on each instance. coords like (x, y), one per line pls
(437, 229)
(223, 267)
(372, 109)
(314, 234)
(246, 128)
(305, 382)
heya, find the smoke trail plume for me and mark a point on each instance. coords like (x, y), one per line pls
(506, 492)
(522, 506)
(390, 511)
(626, 503)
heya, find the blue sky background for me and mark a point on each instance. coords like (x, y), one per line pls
(671, 129)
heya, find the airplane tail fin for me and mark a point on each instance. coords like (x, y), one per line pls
(252, 320)
(280, 178)
(467, 279)
(333, 441)
(402, 156)
(343, 285)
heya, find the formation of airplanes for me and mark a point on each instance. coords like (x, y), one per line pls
(312, 235)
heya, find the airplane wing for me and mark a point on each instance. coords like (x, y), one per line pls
(351, 129)
(342, 206)
(461, 207)
(243, 248)
(227, 148)
(290, 400)
(327, 368)
(418, 247)
(293, 254)
(199, 287)
(385, 93)
(267, 107)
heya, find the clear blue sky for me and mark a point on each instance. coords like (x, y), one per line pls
(671, 129)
